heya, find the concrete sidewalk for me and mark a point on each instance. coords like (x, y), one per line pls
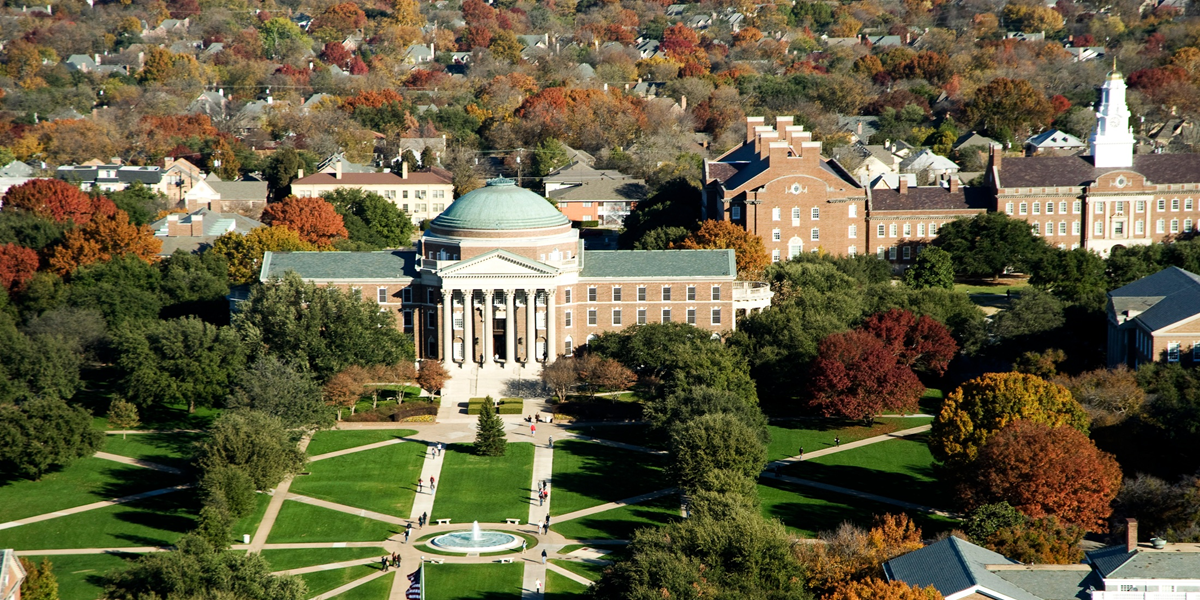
(279, 494)
(350, 510)
(543, 470)
(573, 576)
(895, 435)
(353, 584)
(93, 506)
(611, 505)
(137, 462)
(432, 467)
(534, 571)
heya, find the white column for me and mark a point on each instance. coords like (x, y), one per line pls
(510, 327)
(487, 327)
(551, 321)
(468, 326)
(530, 326)
(447, 326)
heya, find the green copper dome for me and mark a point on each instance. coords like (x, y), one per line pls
(500, 205)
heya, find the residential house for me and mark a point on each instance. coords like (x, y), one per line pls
(1054, 143)
(1161, 135)
(972, 139)
(243, 197)
(648, 48)
(1021, 36)
(12, 574)
(928, 164)
(252, 115)
(1155, 318)
(337, 162)
(180, 175)
(867, 162)
(420, 194)
(676, 10)
(419, 53)
(860, 128)
(213, 104)
(17, 168)
(167, 29)
(113, 177)
(587, 194)
(389, 151)
(198, 229)
(318, 99)
(1087, 53)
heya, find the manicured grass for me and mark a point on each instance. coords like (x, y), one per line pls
(473, 582)
(488, 489)
(80, 575)
(170, 449)
(298, 522)
(376, 589)
(589, 474)
(248, 524)
(558, 587)
(333, 440)
(590, 570)
(807, 511)
(157, 521)
(83, 482)
(637, 434)
(787, 437)
(283, 560)
(508, 406)
(619, 523)
(900, 469)
(383, 480)
(324, 581)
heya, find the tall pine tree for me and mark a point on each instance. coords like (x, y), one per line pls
(489, 436)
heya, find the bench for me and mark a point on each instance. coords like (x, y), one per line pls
(436, 561)
(513, 521)
(505, 561)
(443, 521)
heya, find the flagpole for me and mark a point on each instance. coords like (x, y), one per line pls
(423, 582)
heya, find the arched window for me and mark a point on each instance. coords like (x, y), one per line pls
(568, 346)
(795, 247)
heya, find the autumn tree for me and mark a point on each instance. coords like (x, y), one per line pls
(407, 13)
(17, 266)
(345, 388)
(316, 220)
(123, 415)
(1039, 541)
(432, 376)
(222, 159)
(57, 200)
(1009, 108)
(613, 376)
(1115, 391)
(40, 582)
(921, 343)
(560, 376)
(856, 376)
(984, 405)
(878, 589)
(342, 19)
(1043, 470)
(748, 248)
(244, 252)
(851, 554)
(102, 239)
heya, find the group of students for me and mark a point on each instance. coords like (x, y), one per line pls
(432, 485)
(387, 561)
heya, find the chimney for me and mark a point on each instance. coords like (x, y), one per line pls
(299, 173)
(173, 227)
(1130, 535)
(997, 154)
(403, 169)
(337, 169)
(903, 189)
(198, 224)
(97, 59)
(953, 184)
(751, 123)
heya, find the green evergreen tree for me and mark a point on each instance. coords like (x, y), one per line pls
(489, 435)
(932, 269)
(40, 582)
(548, 156)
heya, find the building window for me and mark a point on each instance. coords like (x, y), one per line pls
(816, 213)
(1075, 228)
(735, 213)
(716, 293)
(852, 232)
(907, 252)
(775, 214)
(880, 231)
(776, 235)
(1062, 228)
(591, 294)
(933, 229)
(1062, 207)
(879, 253)
(408, 319)
(1173, 352)
(1174, 204)
(1037, 208)
(1139, 206)
(1098, 208)
(419, 194)
(567, 296)
(852, 251)
(796, 216)
(907, 230)
(691, 292)
(1022, 209)
(641, 293)
(382, 295)
(1037, 229)
(1119, 228)
(1008, 207)
(591, 316)
(1077, 206)
(775, 255)
(1187, 225)
(1097, 228)
(666, 315)
(1174, 225)
(616, 314)
(1119, 207)
(1187, 204)
(816, 234)
(892, 253)
(853, 210)
(616, 291)
(1162, 204)
(439, 194)
(666, 293)
(1049, 208)
(892, 230)
(587, 204)
(920, 230)
(691, 316)
(641, 316)
(567, 318)
(716, 316)
(1160, 226)
(1195, 350)
(458, 321)
(406, 295)
(568, 346)
(1139, 227)
(1049, 227)
(430, 319)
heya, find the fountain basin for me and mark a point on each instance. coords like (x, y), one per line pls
(466, 542)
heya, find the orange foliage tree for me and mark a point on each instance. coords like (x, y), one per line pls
(747, 247)
(1042, 470)
(57, 200)
(316, 220)
(582, 118)
(851, 554)
(432, 376)
(343, 18)
(102, 239)
(878, 589)
(344, 389)
(17, 265)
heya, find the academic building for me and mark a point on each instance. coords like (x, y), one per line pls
(501, 281)
(777, 185)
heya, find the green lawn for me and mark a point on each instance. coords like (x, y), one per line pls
(383, 480)
(298, 522)
(248, 524)
(83, 482)
(492, 581)
(900, 469)
(333, 440)
(558, 587)
(807, 511)
(170, 449)
(619, 523)
(79, 575)
(637, 434)
(157, 521)
(376, 589)
(589, 474)
(484, 488)
(592, 571)
(787, 437)
(324, 581)
(283, 560)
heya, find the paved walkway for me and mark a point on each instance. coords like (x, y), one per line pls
(351, 510)
(93, 506)
(353, 584)
(864, 495)
(137, 462)
(584, 438)
(278, 495)
(543, 470)
(362, 448)
(573, 576)
(374, 560)
(611, 505)
(432, 467)
(534, 571)
(849, 446)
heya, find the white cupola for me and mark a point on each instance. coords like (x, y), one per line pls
(1112, 140)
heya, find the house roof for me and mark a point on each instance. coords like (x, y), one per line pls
(1048, 171)
(967, 140)
(927, 159)
(124, 174)
(386, 264)
(1163, 299)
(933, 197)
(601, 190)
(952, 566)
(215, 223)
(1068, 583)
(1055, 139)
(357, 179)
(1115, 562)
(634, 264)
(239, 190)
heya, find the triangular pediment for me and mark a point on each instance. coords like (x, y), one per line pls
(497, 262)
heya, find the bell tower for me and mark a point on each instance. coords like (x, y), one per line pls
(1112, 141)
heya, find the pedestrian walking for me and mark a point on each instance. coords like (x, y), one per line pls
(538, 584)
(406, 532)
(424, 518)
(541, 485)
(524, 545)
(543, 557)
(398, 559)
(545, 484)
(533, 429)
(383, 564)
(837, 441)
(542, 498)
(432, 484)
(801, 452)
(551, 444)
(420, 485)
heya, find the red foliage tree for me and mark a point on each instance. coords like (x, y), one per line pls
(1150, 80)
(17, 265)
(920, 343)
(1042, 470)
(57, 200)
(299, 76)
(335, 53)
(372, 99)
(103, 238)
(1060, 103)
(856, 375)
(474, 36)
(314, 219)
(477, 13)
(421, 78)
(358, 67)
(1083, 41)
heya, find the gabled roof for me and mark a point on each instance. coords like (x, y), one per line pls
(1055, 139)
(386, 264)
(601, 190)
(1047, 171)
(967, 140)
(927, 159)
(1107, 560)
(931, 198)
(1115, 562)
(239, 190)
(533, 267)
(952, 566)
(635, 264)
(1162, 299)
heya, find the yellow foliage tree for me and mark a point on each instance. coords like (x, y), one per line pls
(407, 13)
(102, 239)
(244, 253)
(851, 554)
(878, 589)
(984, 405)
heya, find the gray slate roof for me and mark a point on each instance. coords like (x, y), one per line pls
(1150, 564)
(1039, 171)
(1165, 298)
(951, 566)
(1066, 584)
(634, 264)
(386, 264)
(239, 190)
(600, 190)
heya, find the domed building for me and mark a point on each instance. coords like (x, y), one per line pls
(501, 281)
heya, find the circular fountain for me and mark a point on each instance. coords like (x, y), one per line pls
(476, 541)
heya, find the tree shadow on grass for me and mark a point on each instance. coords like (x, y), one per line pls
(172, 513)
(608, 474)
(127, 480)
(179, 443)
(919, 485)
(652, 513)
(99, 579)
(827, 510)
